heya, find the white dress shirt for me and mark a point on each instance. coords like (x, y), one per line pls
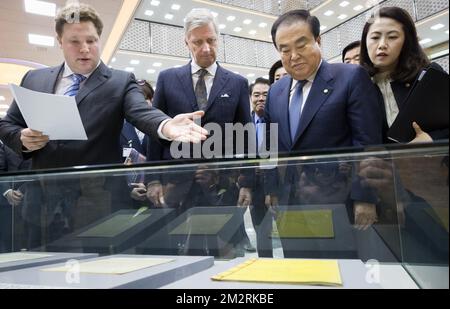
(383, 82)
(65, 81)
(140, 135)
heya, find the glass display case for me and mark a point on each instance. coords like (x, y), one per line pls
(380, 213)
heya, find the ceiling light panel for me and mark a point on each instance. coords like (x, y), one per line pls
(42, 40)
(229, 17)
(40, 8)
(437, 27)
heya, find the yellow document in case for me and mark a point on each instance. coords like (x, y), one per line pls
(439, 215)
(306, 224)
(287, 271)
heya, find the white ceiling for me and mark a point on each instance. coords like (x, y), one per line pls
(223, 12)
(150, 65)
(16, 24)
(328, 21)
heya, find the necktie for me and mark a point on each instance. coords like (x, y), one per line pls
(259, 134)
(200, 90)
(295, 109)
(77, 79)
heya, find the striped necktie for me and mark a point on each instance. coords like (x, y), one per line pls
(77, 79)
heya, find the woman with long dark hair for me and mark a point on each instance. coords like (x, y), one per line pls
(391, 53)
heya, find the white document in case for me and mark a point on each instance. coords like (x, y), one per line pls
(21, 256)
(114, 265)
(54, 115)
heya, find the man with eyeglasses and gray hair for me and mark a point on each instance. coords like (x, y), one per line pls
(205, 85)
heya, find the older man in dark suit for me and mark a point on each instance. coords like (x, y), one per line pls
(201, 85)
(320, 105)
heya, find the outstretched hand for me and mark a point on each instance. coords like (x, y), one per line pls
(183, 129)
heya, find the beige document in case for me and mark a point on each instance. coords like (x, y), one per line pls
(19, 256)
(113, 266)
(285, 271)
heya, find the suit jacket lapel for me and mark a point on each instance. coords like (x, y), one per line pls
(284, 126)
(320, 92)
(99, 77)
(219, 82)
(129, 133)
(145, 145)
(185, 76)
(55, 72)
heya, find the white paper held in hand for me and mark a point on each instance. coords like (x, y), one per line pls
(54, 115)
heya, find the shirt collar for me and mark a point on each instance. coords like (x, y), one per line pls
(212, 70)
(258, 118)
(309, 79)
(68, 71)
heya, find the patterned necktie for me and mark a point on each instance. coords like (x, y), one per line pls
(77, 79)
(295, 109)
(200, 90)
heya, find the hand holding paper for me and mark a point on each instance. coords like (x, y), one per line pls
(54, 116)
(33, 140)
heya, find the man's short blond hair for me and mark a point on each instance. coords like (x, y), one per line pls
(75, 13)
